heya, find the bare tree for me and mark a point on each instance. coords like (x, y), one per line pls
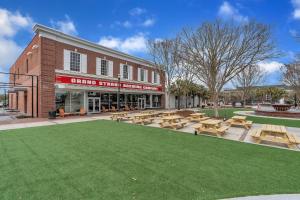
(247, 78)
(165, 55)
(219, 50)
(291, 76)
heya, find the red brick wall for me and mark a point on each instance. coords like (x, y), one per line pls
(91, 61)
(20, 66)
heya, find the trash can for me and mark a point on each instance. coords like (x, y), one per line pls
(51, 114)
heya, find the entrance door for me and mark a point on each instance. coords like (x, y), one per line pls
(141, 103)
(93, 105)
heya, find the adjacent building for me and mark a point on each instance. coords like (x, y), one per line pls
(71, 73)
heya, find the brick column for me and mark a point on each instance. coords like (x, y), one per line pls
(48, 63)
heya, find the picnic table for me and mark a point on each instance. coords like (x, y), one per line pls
(274, 134)
(239, 121)
(174, 122)
(151, 112)
(168, 113)
(143, 118)
(119, 116)
(197, 117)
(211, 126)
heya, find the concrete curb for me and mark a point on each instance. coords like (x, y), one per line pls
(269, 197)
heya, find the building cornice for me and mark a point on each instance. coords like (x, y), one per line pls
(50, 33)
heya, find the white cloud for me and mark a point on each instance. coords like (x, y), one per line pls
(270, 66)
(9, 51)
(148, 22)
(127, 24)
(293, 32)
(137, 11)
(11, 22)
(227, 11)
(136, 43)
(296, 11)
(66, 26)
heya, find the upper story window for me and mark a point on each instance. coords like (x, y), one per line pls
(125, 72)
(142, 75)
(155, 80)
(104, 67)
(74, 61)
(26, 65)
(155, 77)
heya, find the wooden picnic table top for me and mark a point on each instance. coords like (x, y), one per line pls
(237, 117)
(197, 114)
(119, 113)
(211, 122)
(168, 112)
(171, 117)
(143, 115)
(273, 128)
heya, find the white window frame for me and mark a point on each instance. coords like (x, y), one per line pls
(123, 72)
(74, 61)
(82, 61)
(102, 67)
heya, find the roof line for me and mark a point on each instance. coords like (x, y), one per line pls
(40, 27)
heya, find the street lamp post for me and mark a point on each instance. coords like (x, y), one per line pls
(118, 94)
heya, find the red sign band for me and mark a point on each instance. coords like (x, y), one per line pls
(104, 83)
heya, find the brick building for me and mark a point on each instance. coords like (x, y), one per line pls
(73, 73)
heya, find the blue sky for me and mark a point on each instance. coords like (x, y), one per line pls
(127, 25)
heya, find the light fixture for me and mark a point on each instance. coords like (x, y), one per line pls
(35, 46)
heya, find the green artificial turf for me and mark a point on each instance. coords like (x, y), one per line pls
(229, 112)
(110, 160)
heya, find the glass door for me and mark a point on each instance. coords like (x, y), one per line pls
(94, 105)
(141, 103)
(90, 105)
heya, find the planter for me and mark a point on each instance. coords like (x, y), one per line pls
(281, 107)
(51, 114)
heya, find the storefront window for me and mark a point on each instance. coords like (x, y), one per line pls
(156, 101)
(69, 101)
(60, 100)
(105, 101)
(77, 101)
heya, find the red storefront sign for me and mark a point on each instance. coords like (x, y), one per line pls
(104, 83)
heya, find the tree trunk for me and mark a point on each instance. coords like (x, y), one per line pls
(215, 101)
(244, 98)
(168, 100)
(186, 100)
(178, 106)
(200, 101)
(193, 101)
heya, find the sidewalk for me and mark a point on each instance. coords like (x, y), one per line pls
(270, 197)
(26, 123)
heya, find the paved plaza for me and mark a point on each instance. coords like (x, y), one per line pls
(233, 133)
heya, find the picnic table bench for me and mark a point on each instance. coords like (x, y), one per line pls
(211, 126)
(274, 134)
(197, 117)
(239, 121)
(174, 122)
(119, 116)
